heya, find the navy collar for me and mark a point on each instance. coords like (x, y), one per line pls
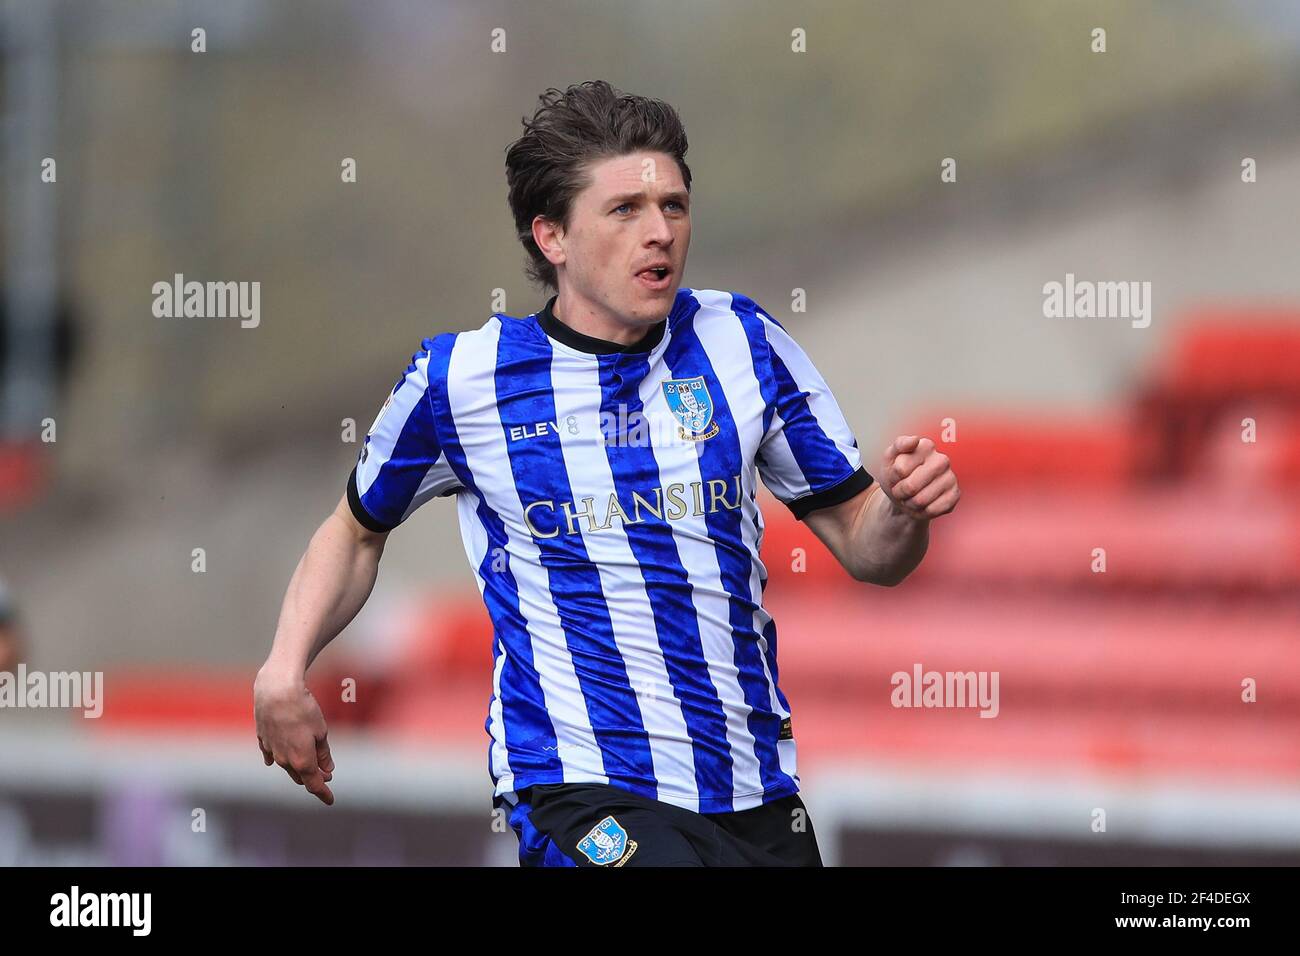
(588, 343)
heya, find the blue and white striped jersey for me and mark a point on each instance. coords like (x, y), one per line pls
(606, 497)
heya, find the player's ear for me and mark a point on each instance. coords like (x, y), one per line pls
(549, 236)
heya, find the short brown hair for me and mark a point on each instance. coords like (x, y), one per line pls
(546, 166)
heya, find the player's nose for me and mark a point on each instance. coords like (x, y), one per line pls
(657, 228)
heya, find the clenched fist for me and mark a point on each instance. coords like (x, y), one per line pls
(918, 479)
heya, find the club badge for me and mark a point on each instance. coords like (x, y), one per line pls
(607, 843)
(689, 401)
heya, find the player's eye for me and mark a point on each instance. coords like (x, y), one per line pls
(626, 205)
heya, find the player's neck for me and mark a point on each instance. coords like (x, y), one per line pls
(589, 329)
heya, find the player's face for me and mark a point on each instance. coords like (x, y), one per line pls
(635, 214)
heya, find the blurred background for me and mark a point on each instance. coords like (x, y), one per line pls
(160, 477)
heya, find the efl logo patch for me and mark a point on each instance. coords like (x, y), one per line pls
(380, 417)
(607, 843)
(689, 401)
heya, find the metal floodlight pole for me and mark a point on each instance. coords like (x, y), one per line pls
(29, 209)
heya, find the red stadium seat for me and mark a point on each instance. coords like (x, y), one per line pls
(1226, 352)
(1011, 449)
(177, 699)
(793, 555)
(23, 474)
(1185, 538)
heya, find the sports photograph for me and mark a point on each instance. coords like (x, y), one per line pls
(450, 439)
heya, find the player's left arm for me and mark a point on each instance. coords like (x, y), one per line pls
(881, 534)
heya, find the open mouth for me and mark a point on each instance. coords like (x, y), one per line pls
(656, 277)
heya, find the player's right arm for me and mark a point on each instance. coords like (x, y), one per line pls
(401, 465)
(330, 585)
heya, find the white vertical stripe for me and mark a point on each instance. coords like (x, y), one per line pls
(578, 394)
(821, 402)
(474, 537)
(390, 423)
(471, 393)
(499, 754)
(781, 472)
(725, 340)
(679, 462)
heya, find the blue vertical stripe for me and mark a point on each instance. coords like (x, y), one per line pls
(769, 635)
(523, 710)
(525, 395)
(676, 622)
(815, 452)
(535, 847)
(720, 457)
(414, 451)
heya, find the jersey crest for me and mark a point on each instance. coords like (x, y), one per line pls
(689, 401)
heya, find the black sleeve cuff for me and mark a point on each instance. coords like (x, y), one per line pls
(834, 495)
(364, 518)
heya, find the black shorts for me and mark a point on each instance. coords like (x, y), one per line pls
(596, 824)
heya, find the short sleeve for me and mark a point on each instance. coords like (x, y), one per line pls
(808, 457)
(401, 464)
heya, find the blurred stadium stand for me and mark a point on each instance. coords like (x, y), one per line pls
(1119, 690)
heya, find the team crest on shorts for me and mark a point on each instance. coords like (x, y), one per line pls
(607, 843)
(689, 401)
